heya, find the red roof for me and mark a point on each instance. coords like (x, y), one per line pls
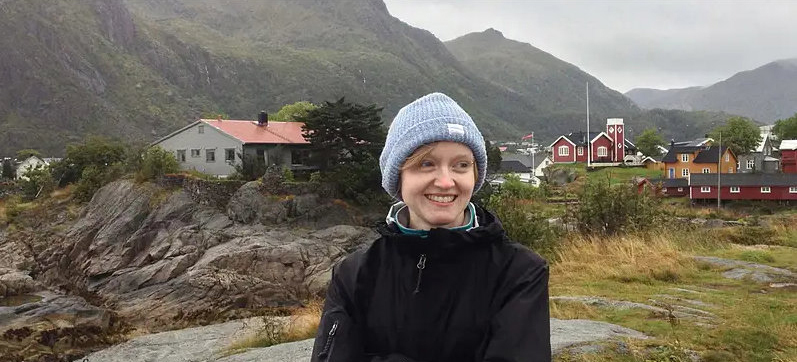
(250, 132)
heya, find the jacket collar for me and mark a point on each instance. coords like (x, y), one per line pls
(442, 241)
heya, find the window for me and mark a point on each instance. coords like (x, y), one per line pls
(705, 189)
(229, 154)
(564, 151)
(581, 151)
(181, 155)
(793, 190)
(300, 157)
(706, 170)
(765, 189)
(201, 129)
(680, 189)
(194, 152)
(685, 172)
(727, 157)
(738, 165)
(602, 152)
(210, 155)
(684, 157)
(750, 164)
(734, 189)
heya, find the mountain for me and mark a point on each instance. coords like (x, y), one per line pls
(138, 69)
(551, 84)
(557, 88)
(766, 94)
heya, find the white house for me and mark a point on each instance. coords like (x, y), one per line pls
(542, 165)
(28, 164)
(215, 146)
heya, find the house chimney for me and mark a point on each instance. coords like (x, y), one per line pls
(672, 142)
(262, 119)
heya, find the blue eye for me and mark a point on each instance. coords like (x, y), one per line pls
(462, 166)
(426, 164)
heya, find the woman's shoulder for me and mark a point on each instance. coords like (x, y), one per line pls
(522, 256)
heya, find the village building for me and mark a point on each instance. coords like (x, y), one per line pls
(675, 187)
(698, 156)
(788, 156)
(30, 163)
(521, 165)
(744, 186)
(216, 146)
(607, 148)
(761, 159)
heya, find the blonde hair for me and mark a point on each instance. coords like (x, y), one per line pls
(415, 159)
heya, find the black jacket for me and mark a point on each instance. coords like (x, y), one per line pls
(454, 296)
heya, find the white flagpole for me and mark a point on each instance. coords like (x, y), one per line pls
(589, 142)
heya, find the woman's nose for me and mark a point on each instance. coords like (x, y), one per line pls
(444, 179)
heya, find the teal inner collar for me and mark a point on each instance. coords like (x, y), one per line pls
(400, 214)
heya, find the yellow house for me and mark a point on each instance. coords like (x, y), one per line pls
(683, 160)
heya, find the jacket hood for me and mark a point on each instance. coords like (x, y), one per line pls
(443, 241)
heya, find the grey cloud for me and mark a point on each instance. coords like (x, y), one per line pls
(627, 44)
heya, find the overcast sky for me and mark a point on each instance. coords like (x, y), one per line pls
(627, 44)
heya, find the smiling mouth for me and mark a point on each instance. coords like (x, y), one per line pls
(442, 199)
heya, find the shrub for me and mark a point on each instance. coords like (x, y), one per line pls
(8, 171)
(315, 177)
(524, 223)
(249, 169)
(751, 235)
(287, 174)
(157, 162)
(607, 209)
(37, 182)
(94, 177)
(95, 151)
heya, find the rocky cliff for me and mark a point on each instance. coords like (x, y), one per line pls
(154, 258)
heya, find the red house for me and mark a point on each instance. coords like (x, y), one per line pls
(674, 187)
(605, 147)
(744, 186)
(788, 156)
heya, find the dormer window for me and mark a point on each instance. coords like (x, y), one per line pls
(684, 157)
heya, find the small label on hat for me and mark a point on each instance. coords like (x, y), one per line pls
(456, 129)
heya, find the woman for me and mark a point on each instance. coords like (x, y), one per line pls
(443, 282)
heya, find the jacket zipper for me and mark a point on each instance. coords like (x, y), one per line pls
(421, 266)
(327, 350)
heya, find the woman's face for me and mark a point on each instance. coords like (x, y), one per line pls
(437, 188)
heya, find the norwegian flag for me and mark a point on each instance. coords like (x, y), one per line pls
(528, 136)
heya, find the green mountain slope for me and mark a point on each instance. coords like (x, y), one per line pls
(138, 69)
(557, 88)
(767, 93)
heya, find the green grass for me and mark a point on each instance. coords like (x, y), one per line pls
(752, 325)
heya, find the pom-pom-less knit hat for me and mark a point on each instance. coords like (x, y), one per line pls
(432, 118)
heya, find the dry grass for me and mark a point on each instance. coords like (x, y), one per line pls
(301, 324)
(643, 256)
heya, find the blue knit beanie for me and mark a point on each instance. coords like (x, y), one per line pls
(432, 118)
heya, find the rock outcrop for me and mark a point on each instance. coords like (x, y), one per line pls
(737, 269)
(161, 260)
(210, 343)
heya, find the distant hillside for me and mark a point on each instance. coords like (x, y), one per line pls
(548, 82)
(767, 93)
(138, 69)
(558, 88)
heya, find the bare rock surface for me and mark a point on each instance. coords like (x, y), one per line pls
(658, 309)
(210, 343)
(55, 310)
(162, 260)
(739, 270)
